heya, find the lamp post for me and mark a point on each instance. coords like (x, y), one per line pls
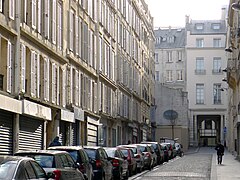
(172, 116)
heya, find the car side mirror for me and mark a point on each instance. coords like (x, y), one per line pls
(50, 175)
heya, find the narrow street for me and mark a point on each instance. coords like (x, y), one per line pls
(194, 166)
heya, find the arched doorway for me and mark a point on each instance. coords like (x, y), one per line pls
(208, 129)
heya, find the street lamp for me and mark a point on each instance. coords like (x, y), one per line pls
(172, 116)
(236, 6)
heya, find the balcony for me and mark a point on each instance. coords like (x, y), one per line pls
(200, 71)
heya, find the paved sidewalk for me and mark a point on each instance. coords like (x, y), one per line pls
(228, 170)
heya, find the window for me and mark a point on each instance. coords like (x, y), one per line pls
(170, 39)
(200, 93)
(59, 26)
(71, 29)
(46, 18)
(199, 65)
(216, 42)
(9, 67)
(54, 21)
(217, 94)
(35, 74)
(179, 75)
(199, 26)
(217, 64)
(169, 56)
(199, 43)
(169, 76)
(156, 58)
(216, 26)
(23, 66)
(11, 9)
(179, 54)
(157, 76)
(46, 79)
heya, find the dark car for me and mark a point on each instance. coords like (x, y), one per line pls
(170, 150)
(179, 149)
(15, 167)
(137, 155)
(101, 163)
(119, 162)
(167, 152)
(132, 164)
(147, 154)
(80, 156)
(58, 163)
(158, 150)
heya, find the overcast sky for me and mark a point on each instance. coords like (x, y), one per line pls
(172, 12)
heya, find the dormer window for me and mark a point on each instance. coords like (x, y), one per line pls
(164, 39)
(171, 39)
(216, 26)
(199, 26)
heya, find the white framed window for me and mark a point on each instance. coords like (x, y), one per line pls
(9, 67)
(23, 67)
(71, 30)
(169, 56)
(169, 76)
(217, 63)
(46, 18)
(64, 92)
(59, 25)
(54, 21)
(35, 74)
(179, 55)
(1, 6)
(46, 79)
(199, 26)
(199, 93)
(200, 65)
(157, 76)
(156, 58)
(76, 87)
(179, 75)
(199, 42)
(217, 42)
(55, 83)
(34, 14)
(216, 26)
(217, 94)
(39, 16)
(12, 9)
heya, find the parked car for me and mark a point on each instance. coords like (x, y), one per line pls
(166, 151)
(80, 156)
(147, 154)
(158, 150)
(170, 150)
(101, 163)
(119, 162)
(57, 163)
(179, 149)
(15, 167)
(137, 155)
(132, 164)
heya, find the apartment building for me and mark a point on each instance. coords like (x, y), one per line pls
(207, 93)
(79, 69)
(170, 92)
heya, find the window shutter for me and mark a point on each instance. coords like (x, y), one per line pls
(100, 54)
(64, 76)
(9, 67)
(54, 21)
(80, 37)
(100, 96)
(11, 9)
(90, 95)
(1, 4)
(71, 85)
(54, 75)
(59, 25)
(46, 79)
(76, 86)
(95, 52)
(79, 88)
(95, 98)
(38, 75)
(57, 85)
(39, 13)
(46, 19)
(84, 92)
(34, 14)
(32, 73)
(71, 30)
(23, 66)
(76, 35)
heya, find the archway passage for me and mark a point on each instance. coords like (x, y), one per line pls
(209, 128)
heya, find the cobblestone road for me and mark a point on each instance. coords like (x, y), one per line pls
(190, 167)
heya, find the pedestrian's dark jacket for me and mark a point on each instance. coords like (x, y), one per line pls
(55, 142)
(220, 149)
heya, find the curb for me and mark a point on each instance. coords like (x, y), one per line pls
(192, 152)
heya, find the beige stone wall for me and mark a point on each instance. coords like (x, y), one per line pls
(179, 132)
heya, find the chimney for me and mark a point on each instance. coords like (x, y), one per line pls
(187, 19)
(224, 12)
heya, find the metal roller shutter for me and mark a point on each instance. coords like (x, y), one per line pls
(31, 134)
(6, 131)
(92, 134)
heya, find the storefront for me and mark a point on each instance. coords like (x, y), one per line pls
(92, 131)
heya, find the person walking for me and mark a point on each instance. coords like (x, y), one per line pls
(55, 142)
(220, 152)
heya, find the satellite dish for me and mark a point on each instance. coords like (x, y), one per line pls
(170, 115)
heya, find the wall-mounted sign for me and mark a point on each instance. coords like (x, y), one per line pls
(170, 114)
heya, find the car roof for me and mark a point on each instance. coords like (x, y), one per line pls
(66, 147)
(149, 142)
(51, 152)
(92, 147)
(14, 158)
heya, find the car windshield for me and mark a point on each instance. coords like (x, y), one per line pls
(7, 169)
(45, 160)
(74, 154)
(110, 152)
(91, 153)
(125, 152)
